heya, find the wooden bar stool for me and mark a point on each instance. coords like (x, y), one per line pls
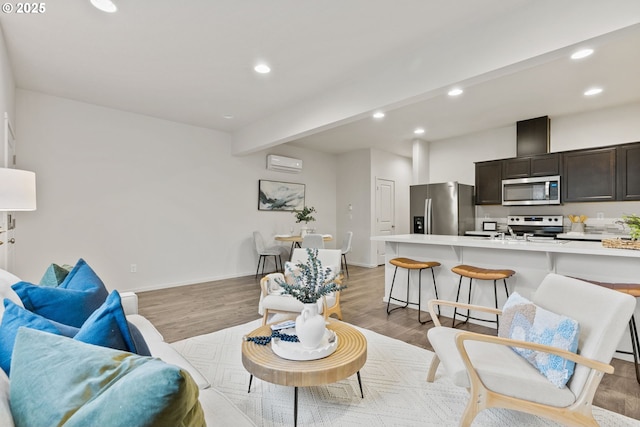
(481, 274)
(634, 290)
(410, 264)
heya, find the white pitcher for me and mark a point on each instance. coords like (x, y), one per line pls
(310, 326)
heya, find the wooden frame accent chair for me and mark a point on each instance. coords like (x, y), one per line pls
(496, 376)
(272, 300)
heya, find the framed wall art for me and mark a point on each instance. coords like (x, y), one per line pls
(280, 196)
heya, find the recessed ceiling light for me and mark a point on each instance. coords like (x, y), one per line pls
(378, 115)
(455, 92)
(583, 53)
(262, 68)
(593, 91)
(228, 116)
(104, 5)
(419, 131)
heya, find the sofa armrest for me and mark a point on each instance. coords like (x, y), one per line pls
(129, 302)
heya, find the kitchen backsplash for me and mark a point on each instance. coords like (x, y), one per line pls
(601, 217)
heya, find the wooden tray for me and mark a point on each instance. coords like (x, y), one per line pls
(621, 244)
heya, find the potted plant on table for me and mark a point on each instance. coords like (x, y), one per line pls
(305, 216)
(308, 283)
(633, 222)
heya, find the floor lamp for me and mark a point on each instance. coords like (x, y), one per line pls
(17, 192)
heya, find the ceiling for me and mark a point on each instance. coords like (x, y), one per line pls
(193, 63)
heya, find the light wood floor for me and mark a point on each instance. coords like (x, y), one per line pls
(187, 311)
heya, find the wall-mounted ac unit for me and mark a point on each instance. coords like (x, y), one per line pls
(283, 164)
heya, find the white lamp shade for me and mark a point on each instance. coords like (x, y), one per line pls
(17, 190)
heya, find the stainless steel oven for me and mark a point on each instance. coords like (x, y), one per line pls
(536, 225)
(542, 190)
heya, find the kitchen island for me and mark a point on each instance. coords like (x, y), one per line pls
(531, 260)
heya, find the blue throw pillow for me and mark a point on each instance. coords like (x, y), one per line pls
(14, 317)
(138, 340)
(59, 381)
(106, 327)
(72, 302)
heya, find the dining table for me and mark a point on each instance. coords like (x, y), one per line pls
(296, 240)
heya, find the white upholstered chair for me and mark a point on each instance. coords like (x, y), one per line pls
(272, 300)
(275, 251)
(496, 376)
(313, 241)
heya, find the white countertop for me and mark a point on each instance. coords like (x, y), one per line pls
(591, 236)
(550, 246)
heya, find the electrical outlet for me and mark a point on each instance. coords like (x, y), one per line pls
(134, 268)
(600, 215)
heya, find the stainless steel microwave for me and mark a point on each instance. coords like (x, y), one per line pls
(539, 190)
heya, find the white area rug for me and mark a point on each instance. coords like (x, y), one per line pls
(393, 379)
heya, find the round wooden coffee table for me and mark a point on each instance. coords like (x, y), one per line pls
(348, 359)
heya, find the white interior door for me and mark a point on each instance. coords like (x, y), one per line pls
(385, 213)
(7, 237)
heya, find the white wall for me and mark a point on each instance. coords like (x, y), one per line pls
(354, 182)
(616, 125)
(453, 159)
(118, 189)
(357, 173)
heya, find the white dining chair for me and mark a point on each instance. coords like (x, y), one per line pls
(263, 251)
(314, 241)
(346, 248)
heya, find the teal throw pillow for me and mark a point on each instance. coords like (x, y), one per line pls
(56, 381)
(54, 275)
(106, 327)
(72, 302)
(523, 320)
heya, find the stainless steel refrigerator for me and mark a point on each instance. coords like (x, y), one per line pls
(444, 208)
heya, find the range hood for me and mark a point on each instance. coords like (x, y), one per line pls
(532, 136)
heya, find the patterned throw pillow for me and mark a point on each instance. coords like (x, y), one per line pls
(523, 320)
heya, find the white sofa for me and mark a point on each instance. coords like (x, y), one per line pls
(218, 409)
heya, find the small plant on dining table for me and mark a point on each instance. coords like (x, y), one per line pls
(304, 215)
(310, 280)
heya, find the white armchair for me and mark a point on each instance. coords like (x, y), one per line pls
(272, 300)
(496, 376)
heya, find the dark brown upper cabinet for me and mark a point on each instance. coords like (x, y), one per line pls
(520, 167)
(489, 183)
(546, 164)
(589, 175)
(525, 167)
(628, 171)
